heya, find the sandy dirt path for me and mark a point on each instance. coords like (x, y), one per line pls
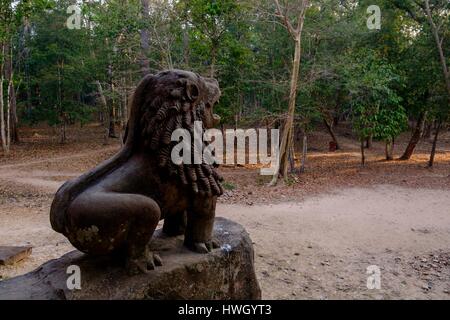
(55, 159)
(319, 248)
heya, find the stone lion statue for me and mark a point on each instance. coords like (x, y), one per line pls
(116, 206)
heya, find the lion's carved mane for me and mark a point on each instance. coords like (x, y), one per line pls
(160, 117)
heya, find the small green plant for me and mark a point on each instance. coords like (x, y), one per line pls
(292, 179)
(228, 185)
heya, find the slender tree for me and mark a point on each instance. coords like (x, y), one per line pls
(284, 13)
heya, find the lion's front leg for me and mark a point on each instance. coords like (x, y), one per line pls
(175, 224)
(200, 223)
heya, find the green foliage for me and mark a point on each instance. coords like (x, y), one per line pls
(375, 78)
(58, 69)
(376, 106)
(390, 122)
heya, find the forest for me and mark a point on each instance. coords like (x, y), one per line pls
(67, 62)
(358, 89)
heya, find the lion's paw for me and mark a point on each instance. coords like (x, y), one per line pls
(144, 264)
(212, 244)
(204, 247)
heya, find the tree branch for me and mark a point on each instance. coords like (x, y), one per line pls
(285, 18)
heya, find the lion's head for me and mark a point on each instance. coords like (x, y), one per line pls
(171, 100)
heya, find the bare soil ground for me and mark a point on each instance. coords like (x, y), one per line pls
(314, 236)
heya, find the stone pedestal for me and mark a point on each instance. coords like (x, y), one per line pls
(225, 273)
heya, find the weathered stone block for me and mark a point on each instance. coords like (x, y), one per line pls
(225, 273)
(11, 254)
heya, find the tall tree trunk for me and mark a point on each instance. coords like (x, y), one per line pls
(144, 34)
(415, 137)
(304, 152)
(288, 126)
(428, 129)
(369, 142)
(433, 148)
(335, 121)
(111, 112)
(8, 115)
(186, 52)
(123, 112)
(25, 54)
(14, 121)
(292, 158)
(124, 118)
(2, 112)
(62, 136)
(331, 132)
(296, 33)
(103, 102)
(3, 126)
(11, 113)
(112, 115)
(112, 124)
(390, 149)
(213, 54)
(363, 155)
(62, 114)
